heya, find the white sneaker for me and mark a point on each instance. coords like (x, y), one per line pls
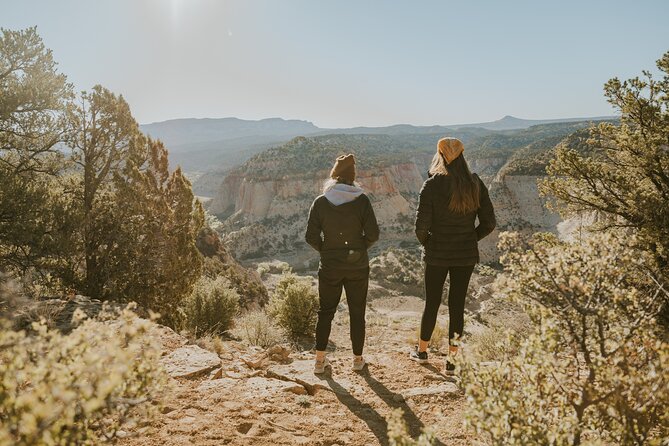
(359, 364)
(320, 366)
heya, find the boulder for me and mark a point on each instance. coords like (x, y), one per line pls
(190, 361)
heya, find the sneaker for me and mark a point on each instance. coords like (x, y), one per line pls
(320, 366)
(359, 364)
(419, 357)
(449, 368)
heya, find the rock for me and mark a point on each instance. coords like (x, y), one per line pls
(166, 338)
(262, 359)
(216, 384)
(302, 372)
(279, 353)
(266, 387)
(167, 409)
(444, 388)
(190, 361)
(216, 374)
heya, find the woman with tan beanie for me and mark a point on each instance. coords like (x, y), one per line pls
(450, 201)
(341, 227)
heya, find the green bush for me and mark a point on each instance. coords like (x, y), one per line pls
(80, 388)
(211, 307)
(294, 306)
(257, 328)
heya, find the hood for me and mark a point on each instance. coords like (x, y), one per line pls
(342, 193)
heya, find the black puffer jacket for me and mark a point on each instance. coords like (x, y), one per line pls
(347, 231)
(451, 239)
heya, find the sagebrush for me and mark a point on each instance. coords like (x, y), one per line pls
(211, 307)
(257, 328)
(294, 306)
(593, 369)
(80, 388)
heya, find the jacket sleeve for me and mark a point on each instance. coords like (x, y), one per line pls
(424, 215)
(313, 234)
(486, 213)
(369, 225)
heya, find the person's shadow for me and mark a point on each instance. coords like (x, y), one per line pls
(376, 423)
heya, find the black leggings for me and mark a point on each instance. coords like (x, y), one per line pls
(435, 276)
(330, 284)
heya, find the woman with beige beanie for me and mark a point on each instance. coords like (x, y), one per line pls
(450, 202)
(341, 227)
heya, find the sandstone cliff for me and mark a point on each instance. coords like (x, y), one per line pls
(265, 202)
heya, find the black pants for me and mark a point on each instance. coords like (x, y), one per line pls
(330, 284)
(435, 276)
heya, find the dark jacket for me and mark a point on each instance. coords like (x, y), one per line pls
(348, 230)
(451, 239)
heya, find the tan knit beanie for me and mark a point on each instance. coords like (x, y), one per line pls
(344, 168)
(450, 148)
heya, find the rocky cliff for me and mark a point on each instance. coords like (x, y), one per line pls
(264, 203)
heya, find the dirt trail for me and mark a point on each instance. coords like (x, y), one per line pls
(257, 398)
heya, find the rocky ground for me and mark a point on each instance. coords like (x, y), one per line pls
(243, 396)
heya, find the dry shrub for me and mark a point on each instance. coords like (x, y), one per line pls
(79, 388)
(257, 328)
(213, 343)
(593, 368)
(294, 306)
(211, 307)
(439, 339)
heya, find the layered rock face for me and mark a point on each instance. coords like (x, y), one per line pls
(268, 216)
(256, 200)
(265, 203)
(518, 207)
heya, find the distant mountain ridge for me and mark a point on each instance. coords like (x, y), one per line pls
(204, 144)
(178, 132)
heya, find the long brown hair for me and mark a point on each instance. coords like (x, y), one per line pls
(465, 187)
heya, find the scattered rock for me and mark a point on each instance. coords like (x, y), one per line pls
(262, 359)
(166, 338)
(444, 388)
(216, 374)
(167, 409)
(190, 361)
(279, 353)
(213, 385)
(302, 372)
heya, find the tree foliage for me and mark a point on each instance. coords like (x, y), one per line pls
(624, 173)
(86, 200)
(33, 98)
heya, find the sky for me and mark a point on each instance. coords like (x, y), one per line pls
(341, 63)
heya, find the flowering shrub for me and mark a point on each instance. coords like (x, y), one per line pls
(594, 370)
(80, 388)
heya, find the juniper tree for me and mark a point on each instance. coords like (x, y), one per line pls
(139, 222)
(33, 95)
(622, 172)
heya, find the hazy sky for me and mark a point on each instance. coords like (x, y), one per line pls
(344, 63)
